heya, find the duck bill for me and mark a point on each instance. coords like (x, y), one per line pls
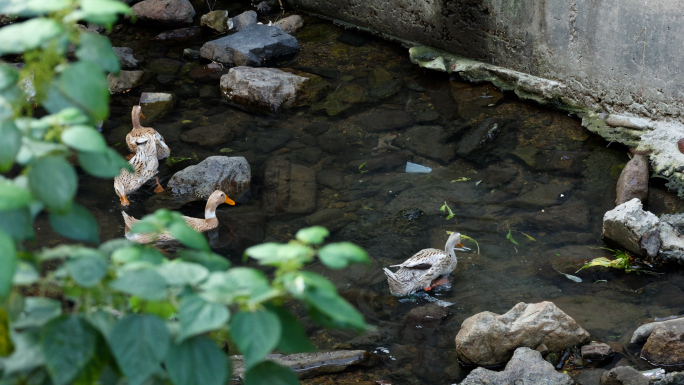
(141, 114)
(460, 244)
(229, 201)
(124, 200)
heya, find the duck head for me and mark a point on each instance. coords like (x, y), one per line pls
(215, 199)
(121, 192)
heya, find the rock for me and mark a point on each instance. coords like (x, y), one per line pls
(476, 137)
(179, 35)
(251, 46)
(343, 98)
(384, 120)
(215, 20)
(428, 314)
(597, 351)
(165, 11)
(232, 175)
(671, 229)
(674, 378)
(317, 128)
(210, 136)
(623, 375)
(267, 89)
(632, 228)
(542, 196)
(496, 176)
(211, 71)
(155, 105)
(383, 84)
(244, 224)
(525, 367)
(288, 188)
(665, 344)
(273, 140)
(589, 376)
(190, 54)
(308, 365)
(125, 55)
(570, 215)
(125, 81)
(332, 219)
(426, 141)
(165, 66)
(645, 330)
(290, 24)
(490, 339)
(330, 178)
(243, 20)
(332, 142)
(633, 181)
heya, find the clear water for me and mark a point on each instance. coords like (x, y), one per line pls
(552, 230)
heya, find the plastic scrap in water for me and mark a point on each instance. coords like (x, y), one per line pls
(417, 168)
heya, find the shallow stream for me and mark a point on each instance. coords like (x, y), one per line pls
(531, 188)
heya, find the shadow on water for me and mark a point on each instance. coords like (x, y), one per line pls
(528, 183)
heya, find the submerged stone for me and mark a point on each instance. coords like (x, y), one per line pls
(268, 89)
(215, 20)
(165, 11)
(155, 105)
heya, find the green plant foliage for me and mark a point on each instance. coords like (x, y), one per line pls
(126, 312)
(445, 207)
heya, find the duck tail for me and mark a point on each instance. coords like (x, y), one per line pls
(395, 285)
(129, 222)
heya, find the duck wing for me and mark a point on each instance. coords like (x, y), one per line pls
(423, 260)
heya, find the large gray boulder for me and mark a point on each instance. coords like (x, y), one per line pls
(263, 88)
(490, 339)
(170, 12)
(243, 20)
(623, 375)
(251, 46)
(525, 367)
(633, 181)
(232, 175)
(288, 188)
(307, 365)
(632, 228)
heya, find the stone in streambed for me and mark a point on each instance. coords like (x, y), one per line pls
(126, 58)
(215, 20)
(632, 228)
(290, 24)
(633, 181)
(126, 80)
(251, 46)
(155, 105)
(525, 367)
(169, 12)
(209, 136)
(288, 188)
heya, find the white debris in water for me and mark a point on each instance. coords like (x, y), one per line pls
(419, 326)
(417, 168)
(381, 349)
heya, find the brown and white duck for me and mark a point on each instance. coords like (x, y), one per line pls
(145, 164)
(139, 131)
(202, 225)
(424, 269)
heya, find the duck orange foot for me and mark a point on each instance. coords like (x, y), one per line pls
(438, 282)
(159, 187)
(129, 156)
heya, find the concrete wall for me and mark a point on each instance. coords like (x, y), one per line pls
(618, 56)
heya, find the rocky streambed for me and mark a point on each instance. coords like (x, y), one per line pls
(390, 156)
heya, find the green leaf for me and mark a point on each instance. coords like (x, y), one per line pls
(109, 247)
(144, 283)
(162, 309)
(68, 344)
(138, 253)
(139, 343)
(236, 282)
(276, 254)
(187, 236)
(268, 372)
(107, 164)
(8, 261)
(31, 34)
(510, 238)
(27, 354)
(312, 235)
(6, 346)
(211, 261)
(102, 12)
(340, 255)
(264, 250)
(198, 316)
(77, 224)
(37, 312)
(16, 223)
(197, 361)
(82, 85)
(25, 8)
(12, 196)
(53, 181)
(97, 49)
(145, 226)
(25, 274)
(255, 333)
(294, 340)
(87, 271)
(332, 305)
(84, 138)
(34, 149)
(9, 145)
(183, 273)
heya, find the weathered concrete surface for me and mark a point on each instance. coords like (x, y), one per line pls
(618, 55)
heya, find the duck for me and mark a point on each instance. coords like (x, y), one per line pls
(139, 131)
(145, 164)
(209, 222)
(424, 269)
